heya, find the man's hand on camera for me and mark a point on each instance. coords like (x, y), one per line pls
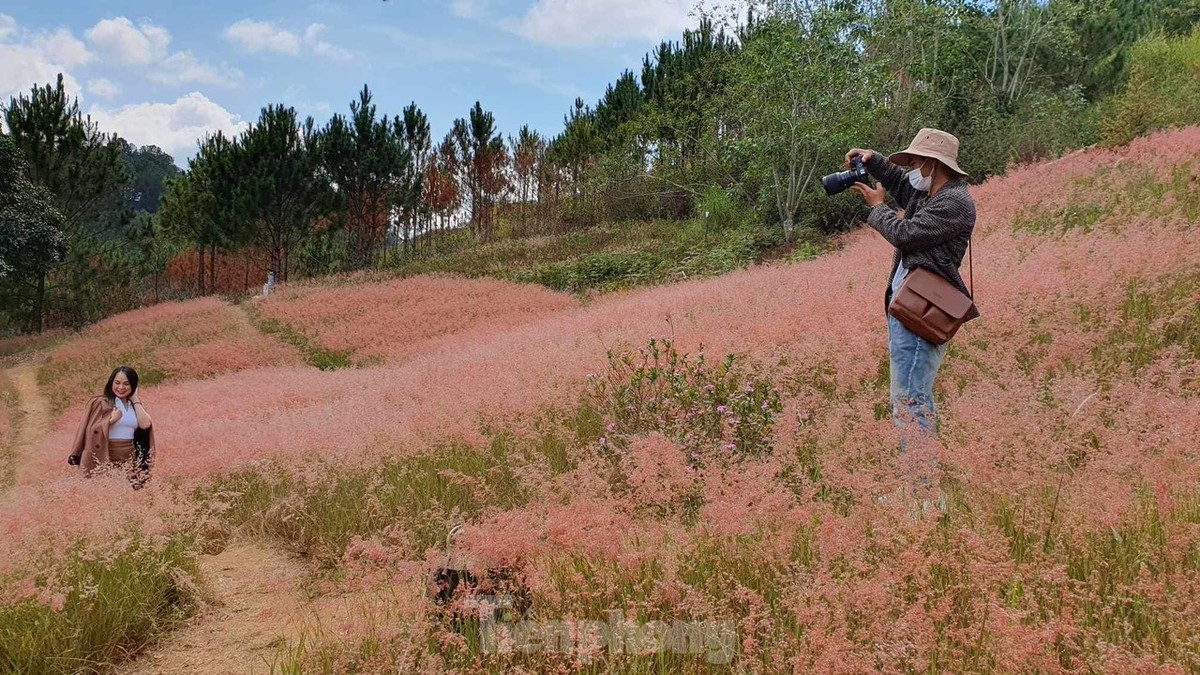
(873, 196)
(866, 155)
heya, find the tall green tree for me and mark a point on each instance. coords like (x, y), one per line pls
(622, 103)
(184, 215)
(1018, 36)
(681, 82)
(482, 156)
(31, 239)
(577, 148)
(81, 169)
(1103, 32)
(200, 207)
(528, 150)
(418, 140)
(149, 169)
(66, 153)
(930, 61)
(155, 247)
(280, 193)
(442, 183)
(801, 94)
(365, 156)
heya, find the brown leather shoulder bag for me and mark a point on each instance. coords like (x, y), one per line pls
(930, 306)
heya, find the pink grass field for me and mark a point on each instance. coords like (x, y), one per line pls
(171, 341)
(396, 319)
(1070, 420)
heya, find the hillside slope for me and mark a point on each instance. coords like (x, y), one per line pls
(1070, 413)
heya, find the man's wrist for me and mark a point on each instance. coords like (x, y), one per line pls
(875, 214)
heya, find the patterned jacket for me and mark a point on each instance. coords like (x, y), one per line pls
(934, 232)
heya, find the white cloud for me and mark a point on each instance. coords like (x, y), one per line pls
(256, 37)
(174, 127)
(104, 88)
(592, 22)
(28, 59)
(119, 41)
(8, 26)
(23, 67)
(262, 36)
(312, 38)
(65, 47)
(184, 68)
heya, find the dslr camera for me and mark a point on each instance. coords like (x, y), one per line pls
(842, 180)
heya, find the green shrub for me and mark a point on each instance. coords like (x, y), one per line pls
(600, 269)
(1045, 124)
(717, 210)
(716, 412)
(733, 250)
(607, 269)
(1163, 89)
(1051, 123)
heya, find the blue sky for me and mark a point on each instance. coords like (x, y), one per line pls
(165, 73)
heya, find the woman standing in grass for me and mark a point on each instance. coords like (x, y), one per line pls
(116, 430)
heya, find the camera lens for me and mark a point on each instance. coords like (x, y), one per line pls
(841, 181)
(834, 182)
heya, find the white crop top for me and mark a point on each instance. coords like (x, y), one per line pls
(124, 428)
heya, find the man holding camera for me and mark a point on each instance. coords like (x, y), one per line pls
(931, 229)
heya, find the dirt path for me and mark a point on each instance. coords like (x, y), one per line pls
(257, 614)
(257, 610)
(33, 420)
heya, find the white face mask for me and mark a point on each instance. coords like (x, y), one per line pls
(918, 181)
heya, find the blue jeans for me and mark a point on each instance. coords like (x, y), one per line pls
(914, 365)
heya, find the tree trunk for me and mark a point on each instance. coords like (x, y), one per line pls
(276, 262)
(200, 270)
(39, 303)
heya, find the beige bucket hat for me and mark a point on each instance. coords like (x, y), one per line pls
(934, 144)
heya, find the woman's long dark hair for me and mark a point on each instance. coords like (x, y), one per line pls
(130, 374)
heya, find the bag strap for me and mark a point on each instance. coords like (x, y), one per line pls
(971, 267)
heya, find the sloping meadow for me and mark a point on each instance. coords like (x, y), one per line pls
(168, 342)
(610, 456)
(393, 320)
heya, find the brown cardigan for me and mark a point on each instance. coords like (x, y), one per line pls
(91, 439)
